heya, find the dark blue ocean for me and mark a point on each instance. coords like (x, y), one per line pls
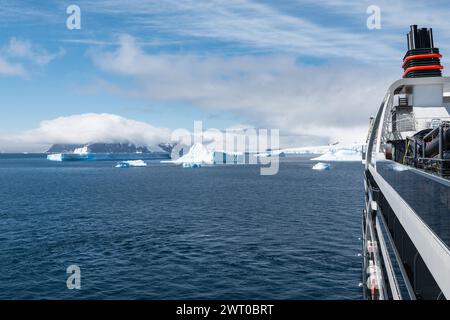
(167, 232)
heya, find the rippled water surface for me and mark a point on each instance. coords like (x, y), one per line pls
(164, 232)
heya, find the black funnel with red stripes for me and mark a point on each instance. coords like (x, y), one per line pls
(422, 58)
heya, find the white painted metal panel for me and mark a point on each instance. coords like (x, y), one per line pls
(433, 251)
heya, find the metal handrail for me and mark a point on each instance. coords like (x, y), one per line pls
(442, 119)
(432, 165)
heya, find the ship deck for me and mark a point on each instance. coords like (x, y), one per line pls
(426, 194)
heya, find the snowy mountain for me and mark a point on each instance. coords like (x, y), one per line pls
(64, 148)
(167, 147)
(108, 148)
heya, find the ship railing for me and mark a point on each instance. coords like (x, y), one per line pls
(374, 283)
(413, 123)
(416, 151)
(440, 167)
(405, 123)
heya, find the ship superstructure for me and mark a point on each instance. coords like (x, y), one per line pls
(406, 220)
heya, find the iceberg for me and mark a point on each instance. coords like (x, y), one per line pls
(321, 166)
(83, 150)
(122, 165)
(198, 155)
(69, 157)
(77, 154)
(341, 154)
(55, 157)
(191, 165)
(131, 163)
(136, 163)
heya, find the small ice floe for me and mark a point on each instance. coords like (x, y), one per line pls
(55, 157)
(398, 167)
(321, 166)
(131, 163)
(122, 165)
(191, 165)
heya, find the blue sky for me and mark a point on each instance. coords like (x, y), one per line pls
(311, 68)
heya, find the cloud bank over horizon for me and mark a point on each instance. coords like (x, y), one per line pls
(110, 128)
(84, 129)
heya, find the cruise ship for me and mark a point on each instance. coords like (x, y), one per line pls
(406, 220)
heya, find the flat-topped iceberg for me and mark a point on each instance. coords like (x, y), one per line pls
(131, 163)
(77, 154)
(321, 166)
(55, 157)
(69, 157)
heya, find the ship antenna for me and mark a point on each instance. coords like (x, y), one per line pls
(422, 59)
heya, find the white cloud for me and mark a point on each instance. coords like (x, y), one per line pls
(12, 69)
(25, 49)
(275, 91)
(20, 56)
(84, 128)
(251, 25)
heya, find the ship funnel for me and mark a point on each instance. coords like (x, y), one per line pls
(422, 59)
